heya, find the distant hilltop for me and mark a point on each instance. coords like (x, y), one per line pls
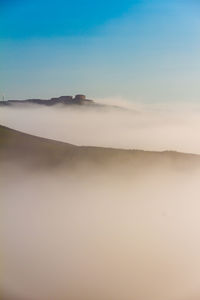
(68, 100)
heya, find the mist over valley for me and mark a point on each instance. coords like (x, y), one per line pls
(87, 215)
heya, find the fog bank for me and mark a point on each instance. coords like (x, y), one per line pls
(100, 235)
(136, 126)
(117, 225)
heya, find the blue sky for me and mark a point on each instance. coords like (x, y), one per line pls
(141, 50)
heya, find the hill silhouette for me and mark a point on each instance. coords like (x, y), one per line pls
(40, 152)
(67, 100)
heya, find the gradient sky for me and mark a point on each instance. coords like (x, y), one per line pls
(146, 50)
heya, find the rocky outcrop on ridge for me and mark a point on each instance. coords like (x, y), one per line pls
(68, 100)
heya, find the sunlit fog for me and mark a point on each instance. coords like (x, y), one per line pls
(131, 126)
(124, 230)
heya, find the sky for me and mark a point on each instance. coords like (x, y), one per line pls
(144, 50)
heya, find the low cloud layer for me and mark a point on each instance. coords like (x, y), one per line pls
(136, 126)
(99, 233)
(94, 235)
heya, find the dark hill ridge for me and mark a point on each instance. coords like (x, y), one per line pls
(68, 100)
(78, 100)
(28, 150)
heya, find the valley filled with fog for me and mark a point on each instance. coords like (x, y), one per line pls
(93, 223)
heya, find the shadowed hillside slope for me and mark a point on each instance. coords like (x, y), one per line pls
(39, 152)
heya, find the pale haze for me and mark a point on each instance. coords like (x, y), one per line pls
(114, 230)
(100, 199)
(127, 125)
